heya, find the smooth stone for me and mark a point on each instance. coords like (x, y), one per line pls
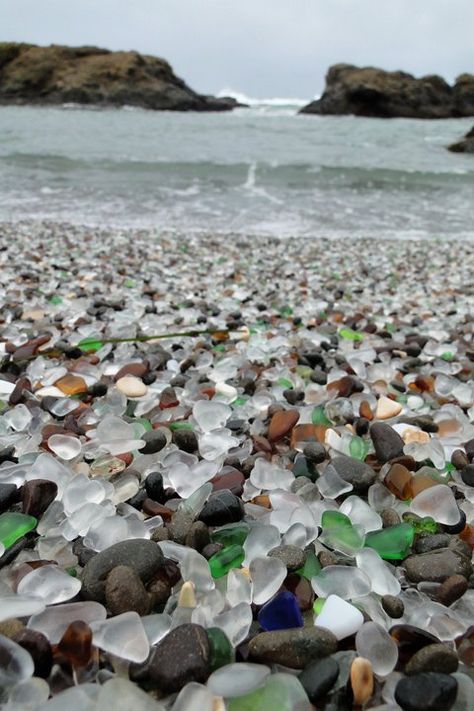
(131, 386)
(144, 556)
(198, 536)
(180, 525)
(467, 474)
(39, 647)
(433, 658)
(318, 678)
(452, 589)
(291, 556)
(315, 452)
(340, 617)
(281, 424)
(237, 679)
(185, 440)
(125, 592)
(436, 566)
(37, 495)
(426, 692)
(184, 655)
(387, 442)
(355, 472)
(292, 648)
(221, 508)
(154, 440)
(386, 408)
(8, 496)
(154, 487)
(431, 542)
(393, 606)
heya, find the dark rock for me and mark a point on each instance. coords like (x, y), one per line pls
(154, 440)
(182, 656)
(89, 75)
(409, 639)
(125, 592)
(465, 145)
(357, 473)
(154, 487)
(8, 496)
(37, 495)
(292, 556)
(211, 549)
(452, 589)
(436, 566)
(387, 443)
(433, 658)
(180, 525)
(319, 677)
(221, 508)
(198, 536)
(426, 692)
(315, 452)
(393, 606)
(431, 542)
(83, 553)
(293, 648)
(467, 475)
(145, 557)
(368, 91)
(185, 440)
(37, 644)
(459, 459)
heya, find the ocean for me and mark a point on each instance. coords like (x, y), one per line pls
(263, 170)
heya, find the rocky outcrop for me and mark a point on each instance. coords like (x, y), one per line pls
(465, 145)
(368, 91)
(88, 75)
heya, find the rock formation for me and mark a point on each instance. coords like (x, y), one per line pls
(374, 92)
(465, 145)
(88, 75)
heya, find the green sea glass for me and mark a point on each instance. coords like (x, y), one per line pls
(349, 335)
(230, 557)
(318, 417)
(15, 525)
(311, 567)
(421, 525)
(358, 448)
(392, 543)
(233, 534)
(318, 605)
(90, 344)
(222, 652)
(340, 534)
(282, 692)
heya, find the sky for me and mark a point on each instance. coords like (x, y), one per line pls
(262, 48)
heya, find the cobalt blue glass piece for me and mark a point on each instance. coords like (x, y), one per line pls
(282, 612)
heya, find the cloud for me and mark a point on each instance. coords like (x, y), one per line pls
(260, 47)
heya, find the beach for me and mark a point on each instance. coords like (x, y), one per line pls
(204, 435)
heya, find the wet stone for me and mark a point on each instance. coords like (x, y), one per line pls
(357, 473)
(154, 440)
(293, 648)
(452, 589)
(393, 606)
(8, 496)
(428, 691)
(124, 591)
(185, 440)
(190, 645)
(291, 556)
(387, 442)
(319, 677)
(433, 658)
(37, 495)
(180, 525)
(431, 542)
(198, 536)
(315, 452)
(221, 508)
(435, 567)
(154, 487)
(467, 474)
(144, 556)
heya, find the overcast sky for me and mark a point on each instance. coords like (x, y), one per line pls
(259, 47)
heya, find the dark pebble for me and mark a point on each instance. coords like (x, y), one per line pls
(8, 496)
(452, 589)
(154, 440)
(426, 692)
(459, 459)
(198, 536)
(291, 556)
(211, 549)
(293, 648)
(83, 553)
(185, 440)
(37, 495)
(431, 542)
(393, 606)
(144, 556)
(387, 443)
(456, 527)
(433, 658)
(125, 592)
(37, 644)
(154, 487)
(436, 566)
(390, 517)
(180, 525)
(357, 473)
(467, 474)
(221, 508)
(315, 452)
(319, 677)
(181, 657)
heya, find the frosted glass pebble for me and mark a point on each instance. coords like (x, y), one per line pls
(122, 635)
(382, 580)
(49, 583)
(19, 606)
(235, 623)
(345, 581)
(211, 415)
(339, 616)
(239, 588)
(375, 644)
(267, 574)
(18, 418)
(439, 503)
(259, 541)
(64, 446)
(331, 485)
(266, 475)
(54, 621)
(360, 512)
(195, 568)
(237, 679)
(76, 698)
(28, 694)
(124, 694)
(156, 626)
(217, 443)
(16, 663)
(194, 697)
(106, 532)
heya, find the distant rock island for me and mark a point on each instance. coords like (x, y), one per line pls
(30, 74)
(368, 91)
(465, 145)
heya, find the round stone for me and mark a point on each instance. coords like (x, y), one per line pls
(125, 592)
(293, 648)
(319, 677)
(131, 386)
(187, 644)
(291, 556)
(154, 440)
(393, 606)
(433, 658)
(426, 692)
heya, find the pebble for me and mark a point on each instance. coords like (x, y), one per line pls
(428, 691)
(154, 486)
(387, 442)
(183, 656)
(318, 678)
(357, 473)
(467, 474)
(37, 495)
(124, 591)
(315, 452)
(8, 496)
(452, 589)
(393, 606)
(292, 648)
(131, 386)
(436, 566)
(431, 542)
(362, 680)
(185, 440)
(154, 440)
(221, 508)
(433, 658)
(145, 557)
(281, 424)
(291, 556)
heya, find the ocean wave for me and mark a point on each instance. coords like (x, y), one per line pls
(254, 102)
